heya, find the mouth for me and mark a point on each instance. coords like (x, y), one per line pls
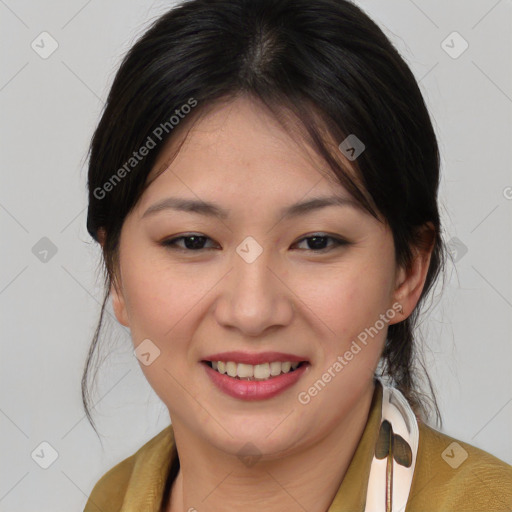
(254, 375)
(260, 372)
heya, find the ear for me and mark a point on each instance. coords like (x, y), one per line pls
(101, 234)
(410, 281)
(118, 304)
(116, 293)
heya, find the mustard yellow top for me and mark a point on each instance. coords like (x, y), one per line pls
(481, 483)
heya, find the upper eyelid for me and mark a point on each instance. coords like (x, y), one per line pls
(338, 238)
(308, 235)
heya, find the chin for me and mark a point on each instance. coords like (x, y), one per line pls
(261, 439)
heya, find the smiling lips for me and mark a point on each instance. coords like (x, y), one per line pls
(254, 376)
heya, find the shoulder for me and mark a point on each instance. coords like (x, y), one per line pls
(110, 490)
(454, 475)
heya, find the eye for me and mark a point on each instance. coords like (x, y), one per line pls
(193, 242)
(317, 242)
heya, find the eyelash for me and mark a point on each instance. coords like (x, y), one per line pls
(171, 242)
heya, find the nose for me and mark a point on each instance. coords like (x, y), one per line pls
(254, 297)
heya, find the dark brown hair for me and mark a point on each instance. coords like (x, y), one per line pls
(325, 62)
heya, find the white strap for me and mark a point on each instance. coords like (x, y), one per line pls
(397, 411)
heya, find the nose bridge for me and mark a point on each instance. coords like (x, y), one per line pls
(253, 298)
(252, 271)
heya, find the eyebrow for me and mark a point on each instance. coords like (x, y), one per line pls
(213, 210)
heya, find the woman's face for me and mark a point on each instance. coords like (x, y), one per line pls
(255, 283)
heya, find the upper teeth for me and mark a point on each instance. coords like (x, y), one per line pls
(258, 371)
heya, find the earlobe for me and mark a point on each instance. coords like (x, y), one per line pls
(119, 306)
(400, 303)
(118, 303)
(101, 236)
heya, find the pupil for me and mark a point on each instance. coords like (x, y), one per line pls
(196, 242)
(314, 244)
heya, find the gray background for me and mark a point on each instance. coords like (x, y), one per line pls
(49, 108)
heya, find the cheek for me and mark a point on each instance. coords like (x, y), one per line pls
(158, 295)
(347, 302)
(349, 299)
(160, 305)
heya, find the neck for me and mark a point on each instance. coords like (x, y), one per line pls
(213, 481)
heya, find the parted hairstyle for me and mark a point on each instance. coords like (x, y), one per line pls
(329, 66)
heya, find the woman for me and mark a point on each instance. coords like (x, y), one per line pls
(263, 182)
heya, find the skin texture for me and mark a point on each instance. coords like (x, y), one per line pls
(290, 299)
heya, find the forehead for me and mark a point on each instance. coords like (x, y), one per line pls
(241, 143)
